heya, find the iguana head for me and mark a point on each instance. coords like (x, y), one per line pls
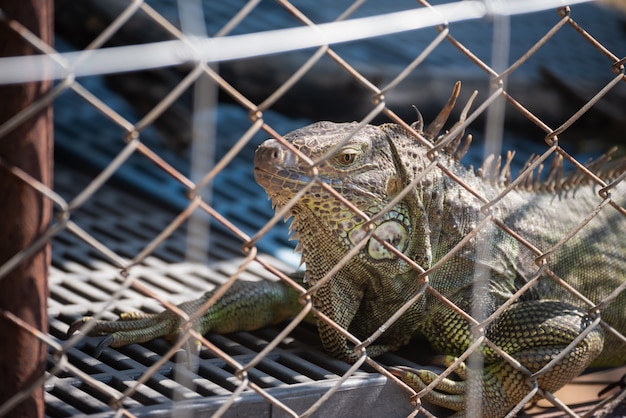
(359, 165)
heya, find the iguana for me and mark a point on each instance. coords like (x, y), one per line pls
(531, 265)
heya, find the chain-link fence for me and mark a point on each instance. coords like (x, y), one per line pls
(159, 108)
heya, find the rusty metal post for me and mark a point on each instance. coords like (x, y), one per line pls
(24, 214)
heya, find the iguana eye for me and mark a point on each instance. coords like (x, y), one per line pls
(346, 156)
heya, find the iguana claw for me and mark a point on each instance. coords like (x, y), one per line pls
(75, 326)
(102, 345)
(447, 393)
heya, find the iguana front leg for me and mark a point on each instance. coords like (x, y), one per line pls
(341, 301)
(245, 306)
(534, 333)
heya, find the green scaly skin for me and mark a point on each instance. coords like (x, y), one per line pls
(369, 170)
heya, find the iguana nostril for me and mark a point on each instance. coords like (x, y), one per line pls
(273, 153)
(268, 152)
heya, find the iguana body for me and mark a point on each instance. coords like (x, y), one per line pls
(371, 166)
